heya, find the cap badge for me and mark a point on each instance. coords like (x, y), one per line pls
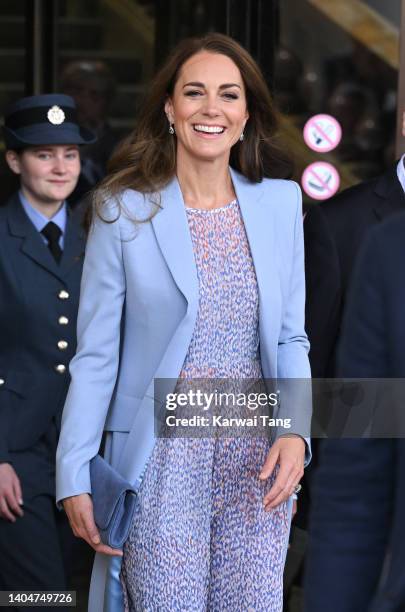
(55, 115)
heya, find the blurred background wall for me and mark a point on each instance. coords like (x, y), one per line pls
(342, 58)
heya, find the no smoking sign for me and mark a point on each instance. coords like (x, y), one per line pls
(320, 180)
(322, 133)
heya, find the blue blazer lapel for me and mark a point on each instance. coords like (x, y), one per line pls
(172, 233)
(32, 245)
(259, 225)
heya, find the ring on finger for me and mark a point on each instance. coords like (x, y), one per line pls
(297, 488)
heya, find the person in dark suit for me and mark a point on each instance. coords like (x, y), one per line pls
(356, 556)
(322, 321)
(41, 252)
(350, 215)
(330, 254)
(353, 211)
(322, 318)
(347, 467)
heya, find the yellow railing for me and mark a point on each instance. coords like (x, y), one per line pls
(364, 25)
(135, 16)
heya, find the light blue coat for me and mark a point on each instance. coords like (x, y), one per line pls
(138, 308)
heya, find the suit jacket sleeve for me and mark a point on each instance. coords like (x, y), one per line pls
(95, 365)
(323, 291)
(293, 345)
(361, 351)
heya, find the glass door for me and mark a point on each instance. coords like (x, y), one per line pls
(339, 59)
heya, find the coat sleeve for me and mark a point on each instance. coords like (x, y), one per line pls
(95, 365)
(293, 369)
(323, 292)
(363, 341)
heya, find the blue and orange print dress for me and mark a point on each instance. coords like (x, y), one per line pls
(201, 540)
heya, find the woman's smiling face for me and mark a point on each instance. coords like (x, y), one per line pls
(208, 106)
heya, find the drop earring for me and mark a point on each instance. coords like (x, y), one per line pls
(171, 129)
(241, 137)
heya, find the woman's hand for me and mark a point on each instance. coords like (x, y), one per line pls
(79, 509)
(289, 453)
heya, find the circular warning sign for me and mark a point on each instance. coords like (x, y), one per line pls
(322, 133)
(320, 180)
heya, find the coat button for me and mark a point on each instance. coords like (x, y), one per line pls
(62, 345)
(63, 295)
(61, 369)
(2, 381)
(63, 320)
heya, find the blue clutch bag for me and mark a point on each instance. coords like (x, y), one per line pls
(114, 501)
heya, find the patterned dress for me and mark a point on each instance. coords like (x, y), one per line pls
(201, 540)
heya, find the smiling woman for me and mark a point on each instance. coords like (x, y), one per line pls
(41, 251)
(218, 73)
(194, 291)
(208, 108)
(48, 174)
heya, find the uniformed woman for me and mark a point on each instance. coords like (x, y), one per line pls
(41, 251)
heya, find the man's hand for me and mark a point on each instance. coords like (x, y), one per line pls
(79, 509)
(10, 494)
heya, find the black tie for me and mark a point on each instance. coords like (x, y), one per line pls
(52, 233)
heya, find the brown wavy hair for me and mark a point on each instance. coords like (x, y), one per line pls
(146, 160)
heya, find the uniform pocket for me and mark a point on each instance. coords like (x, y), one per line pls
(20, 383)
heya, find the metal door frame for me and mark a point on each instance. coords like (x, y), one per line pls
(400, 133)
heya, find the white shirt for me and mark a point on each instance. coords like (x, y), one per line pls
(401, 171)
